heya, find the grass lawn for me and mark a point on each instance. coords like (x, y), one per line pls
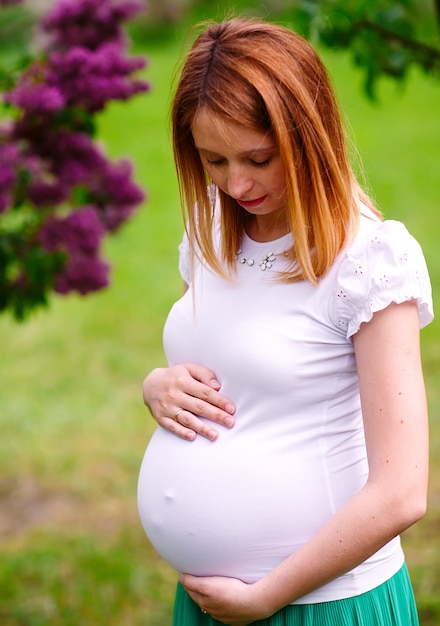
(73, 425)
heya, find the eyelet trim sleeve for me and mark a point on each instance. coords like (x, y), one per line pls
(383, 265)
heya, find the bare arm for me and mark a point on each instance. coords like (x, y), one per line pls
(394, 496)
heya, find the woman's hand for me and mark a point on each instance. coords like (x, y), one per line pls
(228, 600)
(178, 396)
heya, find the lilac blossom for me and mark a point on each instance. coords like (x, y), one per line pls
(83, 274)
(75, 158)
(89, 23)
(35, 97)
(91, 78)
(116, 194)
(81, 230)
(70, 157)
(44, 194)
(71, 194)
(79, 236)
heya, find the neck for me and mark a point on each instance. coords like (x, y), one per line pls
(264, 228)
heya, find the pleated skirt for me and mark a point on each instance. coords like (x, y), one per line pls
(390, 604)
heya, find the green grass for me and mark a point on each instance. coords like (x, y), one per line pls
(73, 426)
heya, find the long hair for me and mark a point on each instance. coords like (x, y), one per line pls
(267, 78)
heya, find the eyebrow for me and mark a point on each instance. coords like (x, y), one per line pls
(254, 151)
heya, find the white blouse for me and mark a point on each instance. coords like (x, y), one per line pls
(283, 354)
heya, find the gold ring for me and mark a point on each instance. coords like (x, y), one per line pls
(176, 416)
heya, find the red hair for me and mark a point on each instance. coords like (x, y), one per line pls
(267, 78)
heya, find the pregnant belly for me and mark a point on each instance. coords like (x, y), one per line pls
(233, 507)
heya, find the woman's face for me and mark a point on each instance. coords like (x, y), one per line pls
(243, 163)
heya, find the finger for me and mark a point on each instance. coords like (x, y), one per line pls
(204, 375)
(177, 429)
(190, 423)
(209, 390)
(193, 584)
(206, 402)
(216, 399)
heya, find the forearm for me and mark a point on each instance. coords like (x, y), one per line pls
(367, 522)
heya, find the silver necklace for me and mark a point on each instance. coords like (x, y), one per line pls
(265, 264)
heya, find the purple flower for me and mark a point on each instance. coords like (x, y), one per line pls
(45, 194)
(81, 231)
(116, 195)
(35, 98)
(89, 23)
(49, 162)
(79, 235)
(74, 157)
(83, 274)
(91, 78)
(33, 94)
(61, 161)
(67, 156)
(9, 157)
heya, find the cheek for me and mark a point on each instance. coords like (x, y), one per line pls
(278, 186)
(212, 174)
(217, 178)
(281, 184)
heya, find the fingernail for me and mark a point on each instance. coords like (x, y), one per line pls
(212, 435)
(229, 422)
(230, 408)
(215, 384)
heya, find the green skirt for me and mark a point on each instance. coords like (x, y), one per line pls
(390, 604)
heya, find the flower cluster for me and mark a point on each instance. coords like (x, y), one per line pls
(59, 193)
(90, 78)
(79, 235)
(89, 23)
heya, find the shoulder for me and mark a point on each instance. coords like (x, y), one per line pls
(382, 264)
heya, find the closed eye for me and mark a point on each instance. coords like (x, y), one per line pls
(219, 162)
(261, 163)
(215, 162)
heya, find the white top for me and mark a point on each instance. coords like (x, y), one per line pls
(283, 354)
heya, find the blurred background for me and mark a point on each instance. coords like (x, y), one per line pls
(72, 422)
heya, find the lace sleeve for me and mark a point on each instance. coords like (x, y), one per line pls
(382, 266)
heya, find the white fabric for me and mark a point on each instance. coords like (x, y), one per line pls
(283, 353)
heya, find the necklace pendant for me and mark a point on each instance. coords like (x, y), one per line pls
(267, 261)
(241, 260)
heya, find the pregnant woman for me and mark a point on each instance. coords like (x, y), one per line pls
(292, 448)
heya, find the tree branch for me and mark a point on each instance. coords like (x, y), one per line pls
(416, 46)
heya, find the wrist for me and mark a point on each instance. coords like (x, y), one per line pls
(264, 598)
(272, 594)
(149, 385)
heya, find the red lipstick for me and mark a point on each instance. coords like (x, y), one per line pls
(251, 204)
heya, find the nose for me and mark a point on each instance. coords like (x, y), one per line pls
(239, 183)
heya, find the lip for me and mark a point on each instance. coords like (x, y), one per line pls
(251, 204)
